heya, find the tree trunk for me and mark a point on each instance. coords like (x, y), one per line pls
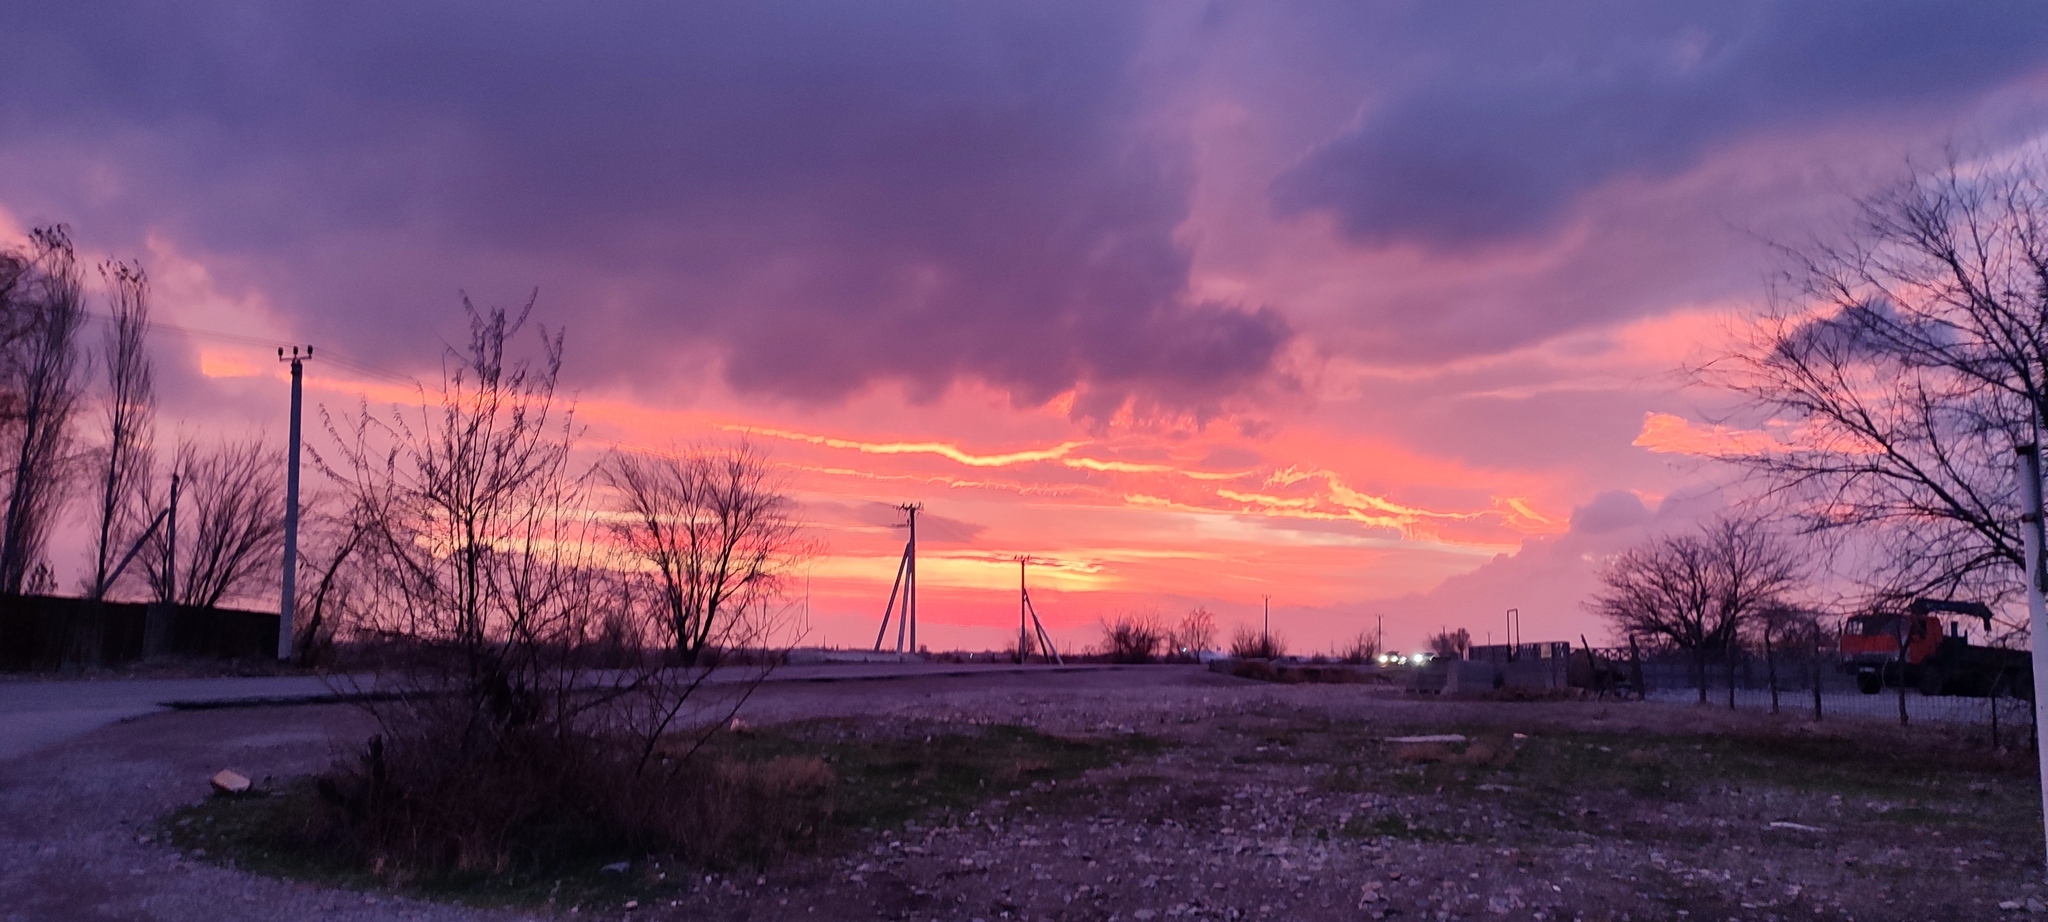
(1699, 670)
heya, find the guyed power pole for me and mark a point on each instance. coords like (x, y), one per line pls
(906, 586)
(289, 584)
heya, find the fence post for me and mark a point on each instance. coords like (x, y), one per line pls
(1729, 653)
(1816, 670)
(1993, 698)
(1770, 669)
(1635, 662)
(1902, 669)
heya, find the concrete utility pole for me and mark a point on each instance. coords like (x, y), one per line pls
(2037, 605)
(1028, 623)
(289, 584)
(906, 586)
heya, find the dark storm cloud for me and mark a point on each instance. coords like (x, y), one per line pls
(1494, 118)
(826, 194)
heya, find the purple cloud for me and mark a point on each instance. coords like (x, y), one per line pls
(826, 195)
(1499, 116)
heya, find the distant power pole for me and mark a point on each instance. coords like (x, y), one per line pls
(1269, 625)
(1028, 622)
(1023, 615)
(287, 603)
(906, 585)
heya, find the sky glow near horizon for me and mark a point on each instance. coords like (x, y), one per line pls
(1376, 309)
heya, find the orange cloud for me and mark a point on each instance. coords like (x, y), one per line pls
(908, 448)
(1668, 434)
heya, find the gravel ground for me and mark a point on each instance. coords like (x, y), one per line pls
(1265, 802)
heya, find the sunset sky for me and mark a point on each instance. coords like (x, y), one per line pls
(1374, 308)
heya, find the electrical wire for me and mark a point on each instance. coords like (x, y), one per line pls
(327, 354)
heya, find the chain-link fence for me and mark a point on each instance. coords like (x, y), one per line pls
(1809, 683)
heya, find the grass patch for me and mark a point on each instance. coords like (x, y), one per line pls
(887, 776)
(879, 777)
(1875, 786)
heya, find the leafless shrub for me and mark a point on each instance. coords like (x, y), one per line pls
(531, 718)
(1021, 647)
(1364, 648)
(329, 550)
(1248, 642)
(408, 812)
(1133, 637)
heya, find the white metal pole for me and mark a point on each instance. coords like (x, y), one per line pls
(2037, 605)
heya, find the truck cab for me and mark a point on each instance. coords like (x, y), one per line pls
(1929, 645)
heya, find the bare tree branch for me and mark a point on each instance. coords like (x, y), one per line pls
(1905, 362)
(124, 461)
(42, 372)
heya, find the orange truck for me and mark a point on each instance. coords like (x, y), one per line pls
(1928, 646)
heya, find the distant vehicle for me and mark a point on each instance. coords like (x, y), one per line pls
(1928, 647)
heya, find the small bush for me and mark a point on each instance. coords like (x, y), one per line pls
(1132, 638)
(1362, 650)
(1255, 669)
(1252, 643)
(410, 809)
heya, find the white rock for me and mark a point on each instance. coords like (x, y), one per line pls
(229, 781)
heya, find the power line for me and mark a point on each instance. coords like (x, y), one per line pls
(332, 356)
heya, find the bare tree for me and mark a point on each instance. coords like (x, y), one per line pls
(230, 525)
(1904, 363)
(1697, 591)
(43, 375)
(1133, 637)
(124, 461)
(1195, 633)
(715, 531)
(1451, 644)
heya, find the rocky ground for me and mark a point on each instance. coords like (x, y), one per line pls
(1218, 799)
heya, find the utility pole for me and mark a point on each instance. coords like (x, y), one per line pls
(288, 600)
(1023, 614)
(1269, 625)
(2037, 605)
(171, 558)
(1380, 636)
(1029, 625)
(906, 586)
(911, 608)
